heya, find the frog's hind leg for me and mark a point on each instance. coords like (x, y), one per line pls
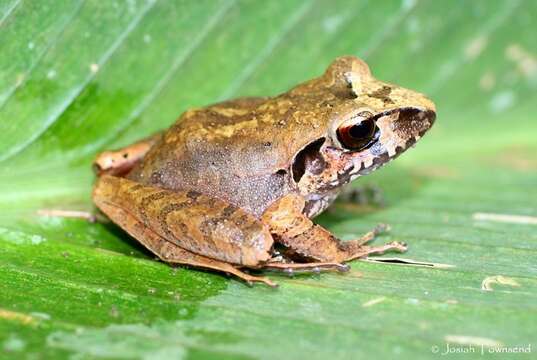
(171, 253)
(120, 162)
(296, 231)
(186, 227)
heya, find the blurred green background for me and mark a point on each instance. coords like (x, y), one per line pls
(80, 76)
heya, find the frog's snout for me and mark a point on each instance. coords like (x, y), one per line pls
(407, 102)
(413, 122)
(430, 115)
(427, 109)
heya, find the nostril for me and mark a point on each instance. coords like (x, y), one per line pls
(431, 115)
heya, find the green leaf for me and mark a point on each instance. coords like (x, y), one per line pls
(79, 76)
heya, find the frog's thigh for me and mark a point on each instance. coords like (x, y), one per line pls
(120, 162)
(193, 221)
(170, 252)
(296, 231)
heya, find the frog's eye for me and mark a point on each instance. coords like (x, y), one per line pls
(358, 136)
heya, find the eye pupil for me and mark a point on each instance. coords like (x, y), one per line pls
(363, 129)
(358, 136)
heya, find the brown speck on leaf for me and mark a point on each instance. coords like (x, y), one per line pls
(505, 218)
(487, 283)
(16, 316)
(374, 301)
(94, 68)
(487, 81)
(475, 47)
(525, 61)
(518, 158)
(114, 312)
(20, 79)
(442, 172)
(76, 214)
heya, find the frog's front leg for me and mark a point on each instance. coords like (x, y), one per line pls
(295, 230)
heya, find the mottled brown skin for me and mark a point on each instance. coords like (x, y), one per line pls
(228, 182)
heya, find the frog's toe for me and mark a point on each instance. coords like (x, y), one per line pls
(398, 246)
(314, 267)
(265, 281)
(250, 280)
(363, 251)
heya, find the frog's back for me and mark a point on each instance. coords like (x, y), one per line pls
(239, 150)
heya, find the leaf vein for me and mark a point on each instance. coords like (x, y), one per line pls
(213, 21)
(9, 11)
(5, 97)
(249, 69)
(75, 92)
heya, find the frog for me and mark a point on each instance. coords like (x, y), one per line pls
(234, 187)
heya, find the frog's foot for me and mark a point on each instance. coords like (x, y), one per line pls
(356, 248)
(371, 235)
(313, 267)
(120, 162)
(250, 279)
(353, 250)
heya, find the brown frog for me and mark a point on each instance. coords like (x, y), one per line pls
(234, 185)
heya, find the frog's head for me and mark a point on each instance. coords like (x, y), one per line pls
(371, 123)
